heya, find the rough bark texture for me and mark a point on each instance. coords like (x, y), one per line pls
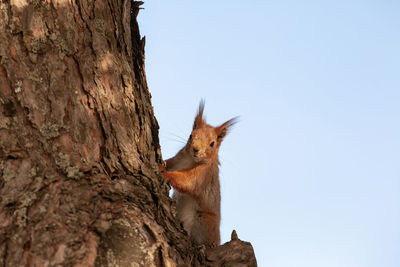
(79, 149)
(235, 253)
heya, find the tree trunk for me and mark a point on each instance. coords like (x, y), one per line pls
(79, 149)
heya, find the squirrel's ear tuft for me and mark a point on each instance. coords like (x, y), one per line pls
(199, 120)
(224, 128)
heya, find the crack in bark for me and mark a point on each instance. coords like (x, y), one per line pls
(116, 31)
(5, 253)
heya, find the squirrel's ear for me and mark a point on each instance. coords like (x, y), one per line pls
(199, 120)
(224, 128)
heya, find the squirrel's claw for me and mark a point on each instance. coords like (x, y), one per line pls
(162, 167)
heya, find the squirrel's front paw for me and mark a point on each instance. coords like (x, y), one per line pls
(213, 245)
(162, 167)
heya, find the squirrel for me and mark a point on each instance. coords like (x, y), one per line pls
(194, 174)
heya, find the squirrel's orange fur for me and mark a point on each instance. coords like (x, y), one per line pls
(194, 174)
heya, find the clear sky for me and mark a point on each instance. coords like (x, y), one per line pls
(311, 173)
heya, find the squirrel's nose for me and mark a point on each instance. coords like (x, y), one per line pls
(195, 150)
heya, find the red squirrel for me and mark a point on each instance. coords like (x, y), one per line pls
(194, 174)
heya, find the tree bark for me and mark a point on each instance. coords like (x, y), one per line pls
(79, 148)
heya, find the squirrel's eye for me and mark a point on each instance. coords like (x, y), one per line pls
(190, 137)
(212, 144)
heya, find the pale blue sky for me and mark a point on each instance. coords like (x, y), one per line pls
(311, 173)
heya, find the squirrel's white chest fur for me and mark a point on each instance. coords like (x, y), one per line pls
(187, 208)
(188, 213)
